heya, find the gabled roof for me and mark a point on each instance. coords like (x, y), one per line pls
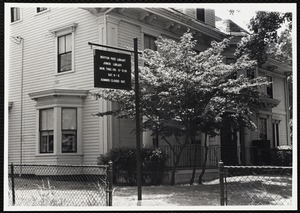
(229, 27)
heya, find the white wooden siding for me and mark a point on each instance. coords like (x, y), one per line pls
(39, 74)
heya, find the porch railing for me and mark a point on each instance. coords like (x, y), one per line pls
(189, 155)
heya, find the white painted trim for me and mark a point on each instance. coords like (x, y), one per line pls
(18, 21)
(37, 132)
(61, 31)
(57, 129)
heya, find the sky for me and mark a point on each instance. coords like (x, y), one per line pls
(244, 12)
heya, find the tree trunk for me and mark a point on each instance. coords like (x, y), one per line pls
(204, 162)
(195, 164)
(176, 162)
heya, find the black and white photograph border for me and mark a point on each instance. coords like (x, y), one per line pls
(149, 106)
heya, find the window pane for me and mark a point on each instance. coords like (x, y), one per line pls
(146, 42)
(46, 119)
(263, 128)
(201, 14)
(40, 9)
(50, 143)
(69, 141)
(65, 62)
(68, 43)
(15, 14)
(61, 45)
(43, 143)
(270, 87)
(46, 141)
(69, 119)
(149, 42)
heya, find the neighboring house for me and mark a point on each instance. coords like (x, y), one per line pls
(51, 73)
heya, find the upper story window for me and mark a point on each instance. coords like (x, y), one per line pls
(65, 40)
(262, 128)
(41, 9)
(15, 14)
(270, 87)
(200, 14)
(149, 42)
(65, 53)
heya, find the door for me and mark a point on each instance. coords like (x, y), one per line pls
(229, 145)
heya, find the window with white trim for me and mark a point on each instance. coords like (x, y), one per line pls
(270, 87)
(149, 42)
(65, 53)
(59, 121)
(64, 48)
(15, 14)
(41, 9)
(69, 130)
(262, 128)
(46, 127)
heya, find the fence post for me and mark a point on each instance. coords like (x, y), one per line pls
(12, 184)
(221, 172)
(110, 182)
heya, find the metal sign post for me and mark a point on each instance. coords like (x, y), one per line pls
(137, 117)
(112, 70)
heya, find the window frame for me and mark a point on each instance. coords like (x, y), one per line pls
(202, 14)
(58, 99)
(20, 15)
(59, 55)
(269, 87)
(69, 130)
(61, 31)
(150, 37)
(48, 131)
(262, 132)
(43, 11)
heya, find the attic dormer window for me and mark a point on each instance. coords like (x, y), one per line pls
(200, 14)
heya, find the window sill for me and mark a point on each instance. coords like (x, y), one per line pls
(58, 155)
(15, 22)
(63, 73)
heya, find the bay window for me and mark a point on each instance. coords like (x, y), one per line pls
(59, 122)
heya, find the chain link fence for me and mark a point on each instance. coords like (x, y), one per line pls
(60, 185)
(255, 185)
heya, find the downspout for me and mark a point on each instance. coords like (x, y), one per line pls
(20, 40)
(21, 123)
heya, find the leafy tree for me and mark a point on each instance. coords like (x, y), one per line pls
(184, 92)
(264, 41)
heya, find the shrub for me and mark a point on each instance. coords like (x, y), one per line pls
(153, 162)
(282, 156)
